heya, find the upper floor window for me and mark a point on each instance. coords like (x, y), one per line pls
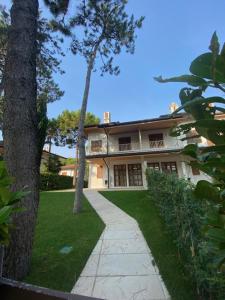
(156, 140)
(125, 143)
(96, 146)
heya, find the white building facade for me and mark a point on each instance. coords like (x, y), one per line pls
(119, 153)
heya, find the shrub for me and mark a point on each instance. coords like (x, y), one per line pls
(55, 182)
(185, 218)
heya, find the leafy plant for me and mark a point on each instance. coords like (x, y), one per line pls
(50, 181)
(8, 199)
(207, 72)
(185, 217)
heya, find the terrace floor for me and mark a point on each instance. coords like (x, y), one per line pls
(121, 265)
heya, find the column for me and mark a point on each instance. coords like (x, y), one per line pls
(144, 167)
(140, 139)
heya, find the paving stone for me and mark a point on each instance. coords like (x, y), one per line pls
(84, 286)
(121, 266)
(125, 264)
(111, 234)
(91, 266)
(129, 287)
(137, 245)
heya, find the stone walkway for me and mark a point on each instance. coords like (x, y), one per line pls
(121, 266)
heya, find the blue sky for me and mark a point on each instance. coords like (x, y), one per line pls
(173, 34)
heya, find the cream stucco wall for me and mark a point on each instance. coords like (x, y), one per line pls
(183, 169)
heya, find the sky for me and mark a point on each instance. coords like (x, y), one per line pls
(174, 33)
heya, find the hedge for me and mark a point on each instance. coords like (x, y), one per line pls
(55, 182)
(184, 217)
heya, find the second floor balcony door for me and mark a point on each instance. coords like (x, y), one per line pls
(156, 140)
(125, 143)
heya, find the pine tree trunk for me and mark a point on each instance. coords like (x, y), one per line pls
(1, 259)
(20, 131)
(81, 137)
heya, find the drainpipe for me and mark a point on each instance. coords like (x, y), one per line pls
(107, 152)
(107, 170)
(107, 141)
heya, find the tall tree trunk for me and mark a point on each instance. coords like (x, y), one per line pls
(20, 131)
(1, 259)
(75, 167)
(81, 136)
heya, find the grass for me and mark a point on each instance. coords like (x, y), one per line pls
(138, 205)
(57, 227)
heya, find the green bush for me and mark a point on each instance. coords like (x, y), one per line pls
(185, 218)
(55, 182)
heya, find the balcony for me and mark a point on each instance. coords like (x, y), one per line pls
(116, 148)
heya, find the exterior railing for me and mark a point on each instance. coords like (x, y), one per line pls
(156, 144)
(133, 147)
(125, 147)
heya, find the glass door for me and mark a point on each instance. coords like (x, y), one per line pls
(120, 175)
(135, 175)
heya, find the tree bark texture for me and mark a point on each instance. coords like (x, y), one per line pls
(20, 131)
(1, 259)
(81, 137)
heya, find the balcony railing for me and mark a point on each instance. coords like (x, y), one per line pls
(124, 147)
(156, 144)
(116, 148)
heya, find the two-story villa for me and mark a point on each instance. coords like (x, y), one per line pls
(119, 152)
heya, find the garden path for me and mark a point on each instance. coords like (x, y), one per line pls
(121, 266)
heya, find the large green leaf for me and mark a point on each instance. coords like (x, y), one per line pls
(5, 214)
(200, 100)
(189, 79)
(17, 196)
(181, 129)
(217, 234)
(217, 149)
(4, 234)
(191, 150)
(202, 67)
(219, 258)
(197, 110)
(206, 190)
(214, 45)
(213, 130)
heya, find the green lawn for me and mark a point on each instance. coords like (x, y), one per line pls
(138, 205)
(58, 227)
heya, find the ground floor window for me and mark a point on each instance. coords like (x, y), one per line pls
(169, 167)
(135, 175)
(120, 175)
(134, 172)
(154, 166)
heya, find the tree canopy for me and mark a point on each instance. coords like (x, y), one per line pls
(63, 129)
